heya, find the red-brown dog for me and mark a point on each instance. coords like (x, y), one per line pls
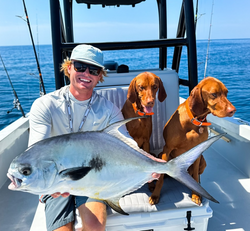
(140, 101)
(187, 127)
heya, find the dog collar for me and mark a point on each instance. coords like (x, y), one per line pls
(195, 121)
(137, 111)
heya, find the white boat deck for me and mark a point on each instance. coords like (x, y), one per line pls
(221, 179)
(230, 187)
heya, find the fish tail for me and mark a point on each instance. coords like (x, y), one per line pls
(177, 167)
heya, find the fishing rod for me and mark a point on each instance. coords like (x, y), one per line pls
(16, 102)
(196, 21)
(196, 15)
(42, 90)
(205, 70)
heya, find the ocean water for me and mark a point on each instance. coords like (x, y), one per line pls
(229, 61)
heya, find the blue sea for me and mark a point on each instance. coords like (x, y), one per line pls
(229, 61)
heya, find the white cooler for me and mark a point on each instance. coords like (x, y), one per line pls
(174, 212)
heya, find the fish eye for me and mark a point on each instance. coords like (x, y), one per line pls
(26, 171)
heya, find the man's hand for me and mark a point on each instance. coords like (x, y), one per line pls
(155, 176)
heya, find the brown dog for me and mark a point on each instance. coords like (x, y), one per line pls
(187, 127)
(140, 101)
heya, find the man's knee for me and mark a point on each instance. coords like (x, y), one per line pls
(93, 216)
(94, 225)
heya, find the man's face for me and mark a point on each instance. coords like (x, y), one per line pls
(83, 79)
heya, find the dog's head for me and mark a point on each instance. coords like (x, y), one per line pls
(210, 96)
(143, 89)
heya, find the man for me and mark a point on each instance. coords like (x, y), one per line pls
(74, 108)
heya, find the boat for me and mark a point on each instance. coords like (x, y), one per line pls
(227, 174)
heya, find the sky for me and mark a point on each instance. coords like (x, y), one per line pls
(230, 20)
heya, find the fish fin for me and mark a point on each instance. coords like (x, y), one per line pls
(191, 183)
(75, 173)
(179, 165)
(113, 131)
(114, 204)
(113, 128)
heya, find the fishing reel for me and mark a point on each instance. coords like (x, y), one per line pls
(16, 104)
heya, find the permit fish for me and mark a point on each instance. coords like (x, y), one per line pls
(104, 165)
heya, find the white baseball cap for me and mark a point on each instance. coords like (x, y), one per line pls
(88, 54)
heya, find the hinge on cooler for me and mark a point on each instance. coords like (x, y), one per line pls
(188, 220)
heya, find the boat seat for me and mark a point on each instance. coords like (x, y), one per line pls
(115, 88)
(119, 95)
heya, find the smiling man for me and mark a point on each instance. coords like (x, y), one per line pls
(74, 108)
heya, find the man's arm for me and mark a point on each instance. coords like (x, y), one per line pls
(40, 122)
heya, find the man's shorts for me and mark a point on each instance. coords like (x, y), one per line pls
(61, 210)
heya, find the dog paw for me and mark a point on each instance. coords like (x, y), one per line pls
(196, 199)
(151, 186)
(154, 200)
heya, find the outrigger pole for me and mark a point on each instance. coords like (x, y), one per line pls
(42, 91)
(196, 15)
(205, 70)
(16, 102)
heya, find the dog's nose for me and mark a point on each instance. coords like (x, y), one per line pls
(150, 103)
(231, 110)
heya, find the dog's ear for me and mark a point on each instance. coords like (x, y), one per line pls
(132, 94)
(162, 95)
(196, 102)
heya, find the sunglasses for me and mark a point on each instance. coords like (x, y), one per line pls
(82, 67)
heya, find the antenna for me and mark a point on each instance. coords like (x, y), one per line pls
(208, 40)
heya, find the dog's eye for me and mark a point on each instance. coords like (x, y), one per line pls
(141, 88)
(155, 87)
(214, 95)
